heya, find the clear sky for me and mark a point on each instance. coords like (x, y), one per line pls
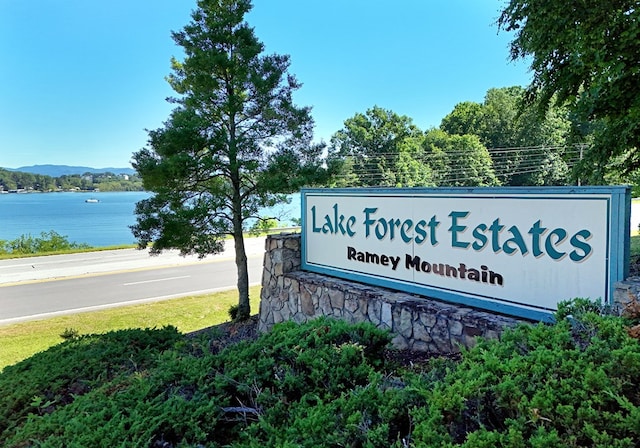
(81, 80)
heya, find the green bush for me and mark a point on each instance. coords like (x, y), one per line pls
(569, 384)
(47, 242)
(263, 226)
(51, 380)
(327, 383)
(308, 385)
(244, 395)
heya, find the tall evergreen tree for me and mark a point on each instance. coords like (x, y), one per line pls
(234, 144)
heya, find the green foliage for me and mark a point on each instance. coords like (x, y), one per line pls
(568, 384)
(222, 154)
(262, 226)
(584, 54)
(526, 148)
(579, 308)
(69, 333)
(328, 383)
(370, 151)
(16, 180)
(233, 312)
(267, 393)
(48, 242)
(307, 382)
(465, 161)
(49, 381)
(501, 141)
(634, 248)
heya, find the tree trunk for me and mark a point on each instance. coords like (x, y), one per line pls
(244, 307)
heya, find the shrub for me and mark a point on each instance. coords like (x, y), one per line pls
(569, 384)
(50, 380)
(47, 242)
(311, 385)
(245, 395)
(326, 383)
(263, 226)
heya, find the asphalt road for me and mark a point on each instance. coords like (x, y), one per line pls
(41, 287)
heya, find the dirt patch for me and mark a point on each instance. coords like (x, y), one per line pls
(228, 333)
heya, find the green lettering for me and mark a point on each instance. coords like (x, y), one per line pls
(421, 233)
(559, 235)
(481, 238)
(581, 245)
(455, 228)
(536, 231)
(368, 221)
(496, 228)
(406, 227)
(515, 239)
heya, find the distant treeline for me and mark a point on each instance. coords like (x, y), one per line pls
(16, 180)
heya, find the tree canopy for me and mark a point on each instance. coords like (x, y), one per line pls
(370, 145)
(519, 139)
(501, 141)
(585, 54)
(223, 153)
(459, 160)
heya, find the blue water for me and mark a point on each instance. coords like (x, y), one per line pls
(105, 223)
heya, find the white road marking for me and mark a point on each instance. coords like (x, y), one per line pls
(156, 280)
(114, 305)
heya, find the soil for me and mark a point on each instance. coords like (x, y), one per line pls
(228, 333)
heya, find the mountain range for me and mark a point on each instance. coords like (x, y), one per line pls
(62, 170)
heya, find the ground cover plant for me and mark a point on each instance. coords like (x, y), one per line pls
(572, 384)
(329, 383)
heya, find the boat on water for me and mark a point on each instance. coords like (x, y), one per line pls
(91, 200)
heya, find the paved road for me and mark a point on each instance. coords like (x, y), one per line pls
(42, 287)
(63, 266)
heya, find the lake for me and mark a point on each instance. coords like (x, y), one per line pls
(102, 223)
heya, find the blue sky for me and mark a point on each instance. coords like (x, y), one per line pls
(82, 79)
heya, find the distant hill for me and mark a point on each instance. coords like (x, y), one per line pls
(62, 170)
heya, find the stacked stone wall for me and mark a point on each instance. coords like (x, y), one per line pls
(416, 323)
(626, 294)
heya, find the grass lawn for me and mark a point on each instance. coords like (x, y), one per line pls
(19, 341)
(634, 246)
(9, 255)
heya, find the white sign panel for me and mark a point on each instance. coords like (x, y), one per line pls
(513, 250)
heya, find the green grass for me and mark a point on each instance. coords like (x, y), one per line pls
(634, 246)
(6, 256)
(19, 341)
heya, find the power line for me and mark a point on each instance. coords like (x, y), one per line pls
(504, 162)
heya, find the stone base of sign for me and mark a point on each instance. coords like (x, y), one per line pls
(626, 294)
(416, 323)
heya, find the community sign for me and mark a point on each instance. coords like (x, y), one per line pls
(518, 251)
